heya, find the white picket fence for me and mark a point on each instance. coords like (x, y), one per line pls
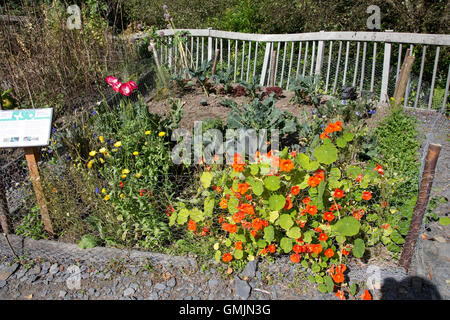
(367, 63)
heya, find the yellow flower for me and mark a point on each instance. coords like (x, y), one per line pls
(125, 171)
(113, 150)
(90, 163)
(147, 132)
(135, 153)
(101, 139)
(161, 134)
(103, 150)
(101, 160)
(103, 190)
(92, 153)
(118, 144)
(138, 175)
(122, 195)
(123, 176)
(145, 143)
(107, 197)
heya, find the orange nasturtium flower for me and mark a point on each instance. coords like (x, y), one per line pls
(288, 205)
(306, 200)
(238, 245)
(367, 195)
(329, 253)
(311, 209)
(316, 248)
(271, 248)
(338, 277)
(323, 237)
(192, 226)
(379, 169)
(328, 216)
(366, 295)
(295, 258)
(286, 165)
(243, 187)
(223, 203)
(324, 135)
(295, 190)
(247, 208)
(227, 257)
(338, 193)
(340, 294)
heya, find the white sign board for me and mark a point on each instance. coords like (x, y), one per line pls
(25, 128)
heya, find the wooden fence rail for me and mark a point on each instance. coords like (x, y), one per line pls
(362, 59)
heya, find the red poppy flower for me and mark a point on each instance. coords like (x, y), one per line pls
(111, 80)
(132, 84)
(379, 169)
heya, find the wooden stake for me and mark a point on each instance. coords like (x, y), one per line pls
(158, 66)
(421, 205)
(403, 77)
(272, 69)
(32, 157)
(213, 72)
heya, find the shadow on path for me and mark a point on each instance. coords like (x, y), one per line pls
(410, 288)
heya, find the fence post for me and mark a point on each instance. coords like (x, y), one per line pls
(210, 45)
(386, 67)
(265, 63)
(319, 60)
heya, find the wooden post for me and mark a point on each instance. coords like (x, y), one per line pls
(421, 205)
(158, 66)
(32, 157)
(386, 67)
(213, 72)
(402, 81)
(272, 69)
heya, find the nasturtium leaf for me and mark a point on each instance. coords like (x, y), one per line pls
(341, 142)
(228, 242)
(233, 203)
(304, 263)
(307, 236)
(326, 153)
(264, 168)
(208, 206)
(347, 226)
(173, 218)
(183, 215)
(273, 216)
(304, 184)
(315, 268)
(354, 171)
(303, 160)
(286, 244)
(206, 179)
(323, 288)
(277, 202)
(335, 173)
(329, 283)
(196, 215)
(311, 278)
(353, 288)
(238, 254)
(348, 136)
(257, 188)
(261, 243)
(313, 166)
(294, 233)
(269, 234)
(286, 221)
(254, 168)
(444, 221)
(218, 255)
(358, 248)
(272, 183)
(318, 279)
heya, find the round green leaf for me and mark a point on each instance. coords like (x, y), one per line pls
(358, 248)
(347, 226)
(294, 233)
(238, 254)
(206, 179)
(276, 202)
(269, 233)
(286, 221)
(326, 153)
(272, 183)
(286, 245)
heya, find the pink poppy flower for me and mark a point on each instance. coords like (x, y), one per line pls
(116, 86)
(126, 89)
(132, 84)
(111, 80)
